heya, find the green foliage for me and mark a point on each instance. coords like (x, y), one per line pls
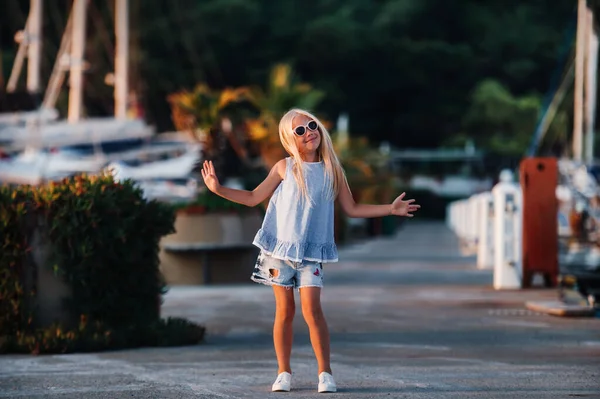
(499, 120)
(96, 336)
(367, 169)
(503, 123)
(13, 296)
(102, 240)
(284, 90)
(202, 107)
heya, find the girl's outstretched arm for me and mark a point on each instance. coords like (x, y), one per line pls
(244, 197)
(399, 207)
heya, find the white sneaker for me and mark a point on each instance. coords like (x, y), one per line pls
(283, 382)
(326, 383)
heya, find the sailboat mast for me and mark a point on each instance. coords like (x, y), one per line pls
(30, 46)
(590, 85)
(579, 78)
(76, 65)
(121, 57)
(34, 48)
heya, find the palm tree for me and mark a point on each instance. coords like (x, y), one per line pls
(210, 116)
(201, 110)
(206, 115)
(283, 91)
(366, 169)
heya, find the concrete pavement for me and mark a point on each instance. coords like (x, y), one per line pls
(409, 318)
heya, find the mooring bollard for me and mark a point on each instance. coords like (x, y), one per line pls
(472, 237)
(463, 223)
(507, 233)
(485, 246)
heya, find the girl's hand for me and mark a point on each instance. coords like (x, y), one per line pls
(404, 208)
(209, 176)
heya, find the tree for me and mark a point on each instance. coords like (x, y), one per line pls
(503, 123)
(206, 115)
(283, 92)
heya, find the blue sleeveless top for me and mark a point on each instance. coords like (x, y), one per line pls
(295, 229)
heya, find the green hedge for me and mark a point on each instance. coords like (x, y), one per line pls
(103, 242)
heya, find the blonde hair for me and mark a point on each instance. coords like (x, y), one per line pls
(334, 173)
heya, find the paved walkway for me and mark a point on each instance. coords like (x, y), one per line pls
(409, 318)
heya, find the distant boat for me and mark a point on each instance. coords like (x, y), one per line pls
(36, 146)
(447, 173)
(19, 119)
(135, 158)
(174, 167)
(61, 133)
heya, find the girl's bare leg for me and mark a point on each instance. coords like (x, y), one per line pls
(285, 308)
(317, 325)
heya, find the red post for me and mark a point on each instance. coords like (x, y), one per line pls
(539, 178)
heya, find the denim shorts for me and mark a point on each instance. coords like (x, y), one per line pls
(286, 273)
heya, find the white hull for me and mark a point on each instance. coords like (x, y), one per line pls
(34, 167)
(62, 133)
(173, 168)
(22, 118)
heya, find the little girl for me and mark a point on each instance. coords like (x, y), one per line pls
(297, 234)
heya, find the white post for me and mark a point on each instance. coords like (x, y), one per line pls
(590, 89)
(486, 219)
(121, 58)
(462, 220)
(449, 215)
(76, 72)
(473, 238)
(454, 217)
(507, 234)
(34, 35)
(579, 78)
(458, 218)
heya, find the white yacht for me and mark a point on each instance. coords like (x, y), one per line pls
(135, 158)
(17, 137)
